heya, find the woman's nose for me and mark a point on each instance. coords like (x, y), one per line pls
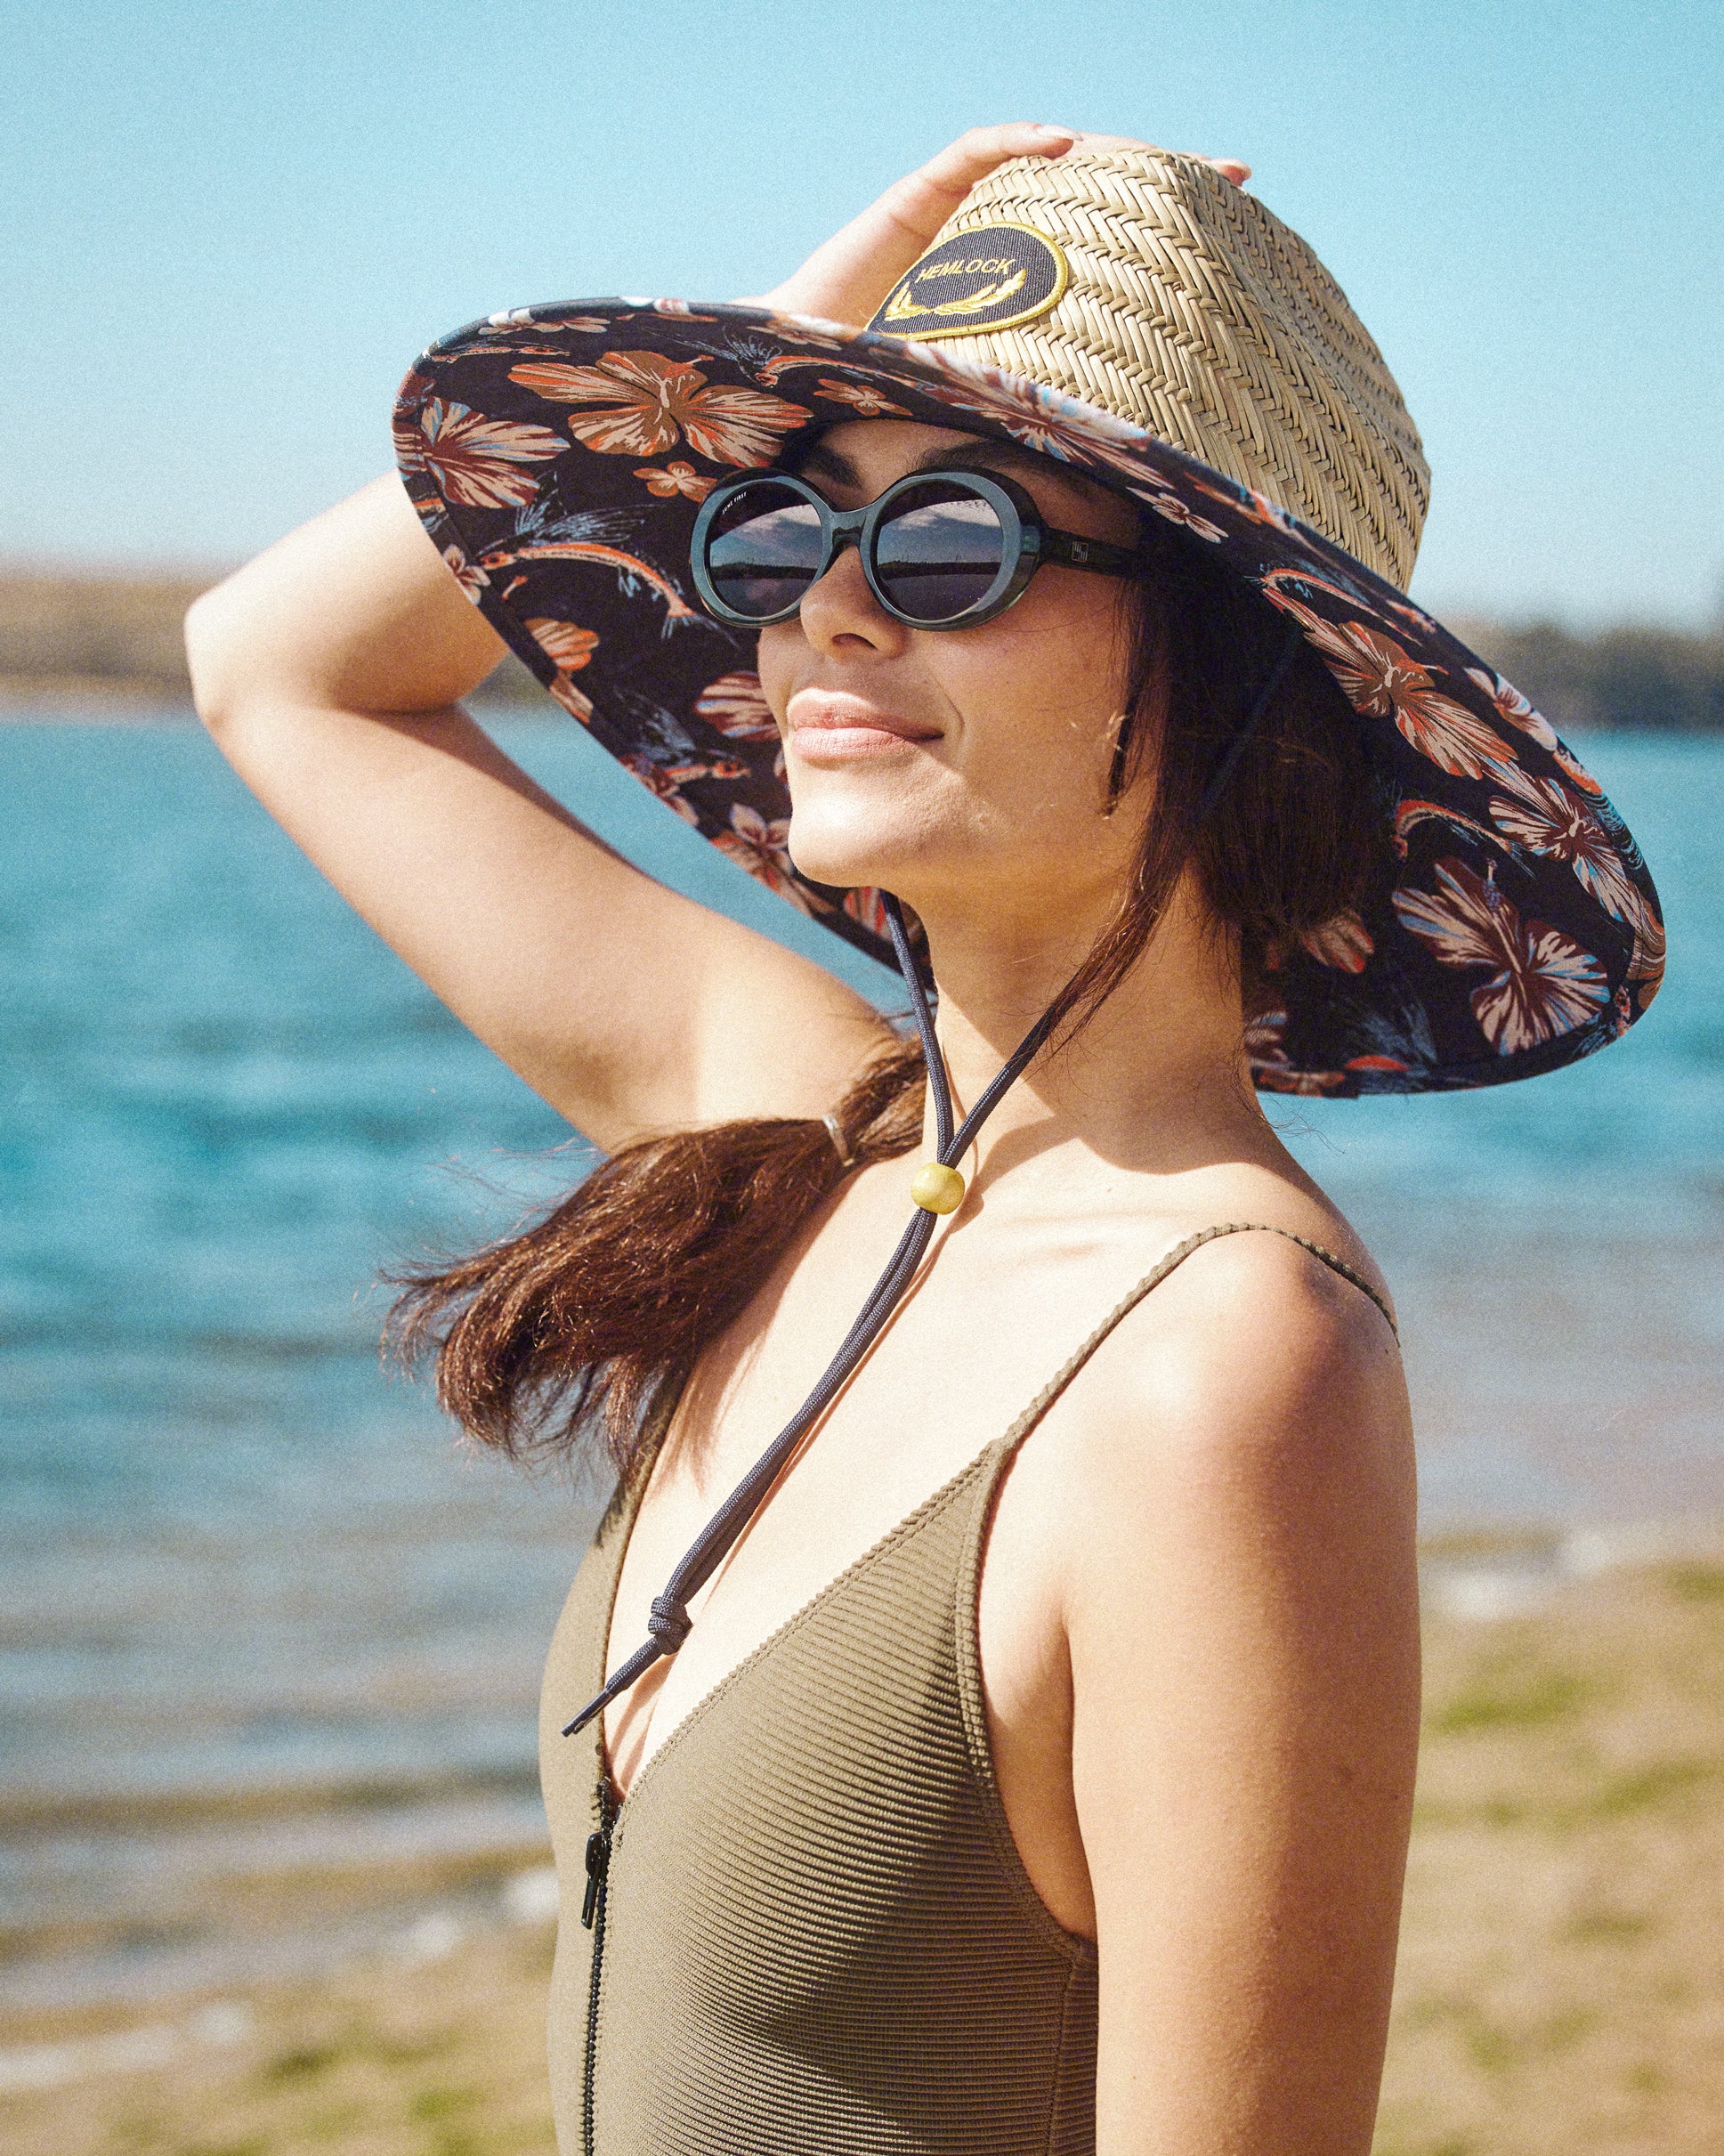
(841, 611)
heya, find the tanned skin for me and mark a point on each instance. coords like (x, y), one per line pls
(1198, 1609)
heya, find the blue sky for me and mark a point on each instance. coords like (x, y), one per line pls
(230, 227)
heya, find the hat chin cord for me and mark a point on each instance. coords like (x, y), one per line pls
(938, 1188)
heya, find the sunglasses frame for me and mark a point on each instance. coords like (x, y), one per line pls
(1028, 541)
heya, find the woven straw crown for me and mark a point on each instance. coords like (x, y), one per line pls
(1191, 310)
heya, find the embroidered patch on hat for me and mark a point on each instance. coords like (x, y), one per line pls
(993, 278)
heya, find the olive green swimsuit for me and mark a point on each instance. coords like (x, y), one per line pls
(807, 1929)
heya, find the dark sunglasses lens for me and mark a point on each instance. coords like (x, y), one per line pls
(938, 550)
(764, 550)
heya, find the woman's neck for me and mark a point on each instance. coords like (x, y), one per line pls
(1156, 1080)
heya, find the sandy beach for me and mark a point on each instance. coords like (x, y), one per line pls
(1560, 1988)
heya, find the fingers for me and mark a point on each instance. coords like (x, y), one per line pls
(923, 201)
(847, 278)
(1230, 168)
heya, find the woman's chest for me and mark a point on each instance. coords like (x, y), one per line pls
(952, 1379)
(806, 1901)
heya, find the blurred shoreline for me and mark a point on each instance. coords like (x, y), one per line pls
(137, 1897)
(1557, 1986)
(89, 646)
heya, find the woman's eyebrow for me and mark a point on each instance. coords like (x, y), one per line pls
(831, 464)
(1021, 464)
(836, 469)
(975, 451)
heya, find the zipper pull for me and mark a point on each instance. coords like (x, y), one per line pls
(598, 1859)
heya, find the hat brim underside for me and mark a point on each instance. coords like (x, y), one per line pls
(558, 456)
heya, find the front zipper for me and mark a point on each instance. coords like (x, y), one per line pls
(592, 1915)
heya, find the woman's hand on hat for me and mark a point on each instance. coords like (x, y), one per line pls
(847, 280)
(1230, 168)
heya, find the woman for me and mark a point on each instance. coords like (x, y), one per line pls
(1032, 1767)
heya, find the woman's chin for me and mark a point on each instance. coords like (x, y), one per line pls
(847, 850)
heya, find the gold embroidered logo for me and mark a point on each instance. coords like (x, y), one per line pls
(991, 279)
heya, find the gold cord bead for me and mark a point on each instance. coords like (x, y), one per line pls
(937, 1189)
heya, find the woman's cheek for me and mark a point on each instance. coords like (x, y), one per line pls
(774, 658)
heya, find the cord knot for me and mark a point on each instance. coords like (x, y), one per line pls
(669, 1622)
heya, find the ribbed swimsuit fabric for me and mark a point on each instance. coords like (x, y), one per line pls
(814, 1933)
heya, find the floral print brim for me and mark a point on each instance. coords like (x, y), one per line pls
(558, 456)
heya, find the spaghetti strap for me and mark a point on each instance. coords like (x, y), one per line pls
(1152, 1280)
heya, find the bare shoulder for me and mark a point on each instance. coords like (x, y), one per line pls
(1256, 1384)
(1234, 1577)
(1252, 1313)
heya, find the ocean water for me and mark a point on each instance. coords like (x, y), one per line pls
(261, 1619)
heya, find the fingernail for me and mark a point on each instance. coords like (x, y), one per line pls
(1041, 127)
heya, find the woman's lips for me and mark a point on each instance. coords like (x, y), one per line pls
(828, 728)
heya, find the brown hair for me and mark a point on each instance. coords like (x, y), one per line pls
(568, 1327)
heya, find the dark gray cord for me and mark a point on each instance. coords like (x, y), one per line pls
(669, 1622)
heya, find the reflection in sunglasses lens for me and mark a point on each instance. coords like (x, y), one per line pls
(937, 552)
(764, 551)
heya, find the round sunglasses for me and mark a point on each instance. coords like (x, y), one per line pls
(946, 549)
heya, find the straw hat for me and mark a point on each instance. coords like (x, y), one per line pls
(1137, 316)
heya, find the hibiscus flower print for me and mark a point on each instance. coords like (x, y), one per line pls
(1411, 617)
(737, 706)
(659, 783)
(769, 366)
(1073, 442)
(652, 404)
(870, 403)
(1292, 589)
(1175, 511)
(1282, 1078)
(1411, 813)
(763, 849)
(800, 330)
(769, 370)
(482, 463)
(567, 648)
(468, 574)
(1512, 708)
(866, 906)
(678, 478)
(1377, 676)
(1248, 503)
(810, 329)
(524, 318)
(1645, 964)
(1547, 819)
(570, 698)
(1047, 437)
(1342, 942)
(1271, 1068)
(1542, 984)
(1578, 772)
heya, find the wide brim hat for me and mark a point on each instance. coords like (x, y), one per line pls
(1137, 316)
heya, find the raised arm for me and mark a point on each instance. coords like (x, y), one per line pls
(328, 671)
